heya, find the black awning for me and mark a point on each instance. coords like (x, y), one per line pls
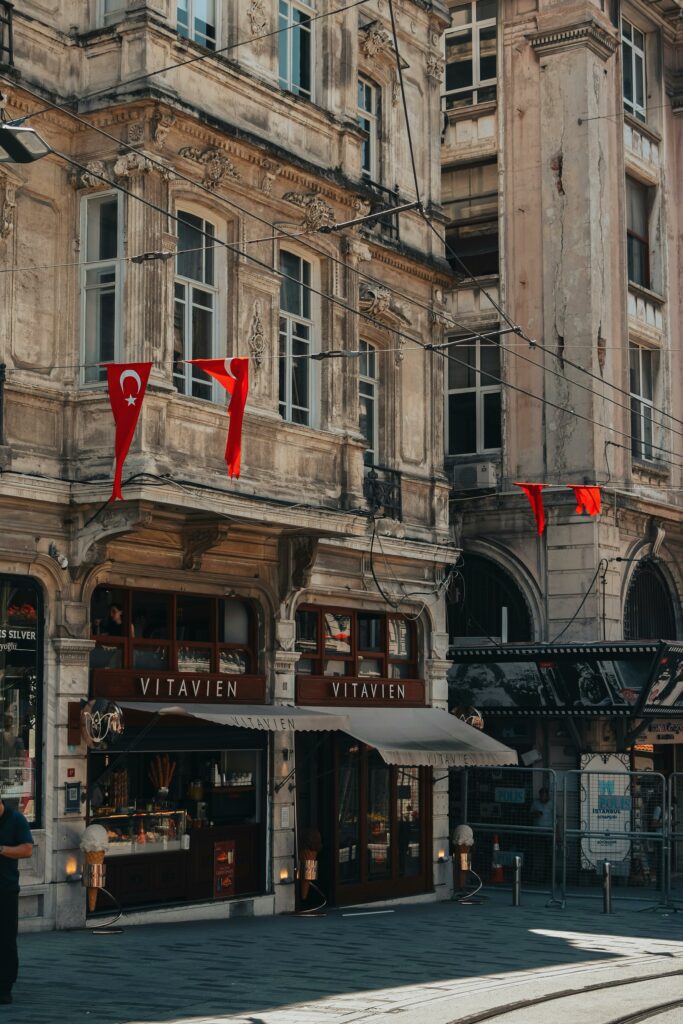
(587, 680)
(663, 693)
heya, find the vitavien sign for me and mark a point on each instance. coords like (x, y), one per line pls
(179, 687)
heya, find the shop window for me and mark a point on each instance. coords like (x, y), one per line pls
(474, 399)
(195, 305)
(196, 20)
(469, 198)
(335, 642)
(471, 54)
(633, 64)
(368, 385)
(296, 339)
(20, 693)
(133, 631)
(101, 272)
(369, 122)
(638, 232)
(295, 54)
(642, 377)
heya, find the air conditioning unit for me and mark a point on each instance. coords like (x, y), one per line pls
(474, 476)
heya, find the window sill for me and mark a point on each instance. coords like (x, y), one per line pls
(643, 467)
(646, 293)
(476, 110)
(642, 127)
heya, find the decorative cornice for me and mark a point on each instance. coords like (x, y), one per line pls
(72, 651)
(586, 33)
(217, 164)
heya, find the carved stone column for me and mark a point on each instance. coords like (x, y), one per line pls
(72, 658)
(284, 807)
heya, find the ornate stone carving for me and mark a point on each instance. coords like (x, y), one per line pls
(8, 203)
(297, 555)
(270, 172)
(355, 249)
(162, 122)
(317, 213)
(198, 540)
(376, 41)
(258, 19)
(434, 66)
(136, 133)
(587, 33)
(217, 164)
(89, 178)
(73, 651)
(130, 165)
(395, 90)
(88, 545)
(257, 336)
(379, 303)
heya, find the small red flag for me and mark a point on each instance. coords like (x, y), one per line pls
(533, 493)
(233, 374)
(127, 383)
(587, 499)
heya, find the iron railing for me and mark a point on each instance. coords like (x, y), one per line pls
(6, 37)
(382, 490)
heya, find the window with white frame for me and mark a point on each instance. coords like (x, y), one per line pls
(644, 365)
(195, 305)
(633, 61)
(295, 40)
(296, 339)
(368, 383)
(112, 11)
(471, 54)
(638, 232)
(368, 120)
(101, 282)
(474, 398)
(196, 20)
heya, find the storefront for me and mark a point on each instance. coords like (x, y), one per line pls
(21, 694)
(183, 799)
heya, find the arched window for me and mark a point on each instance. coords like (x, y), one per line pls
(649, 612)
(483, 599)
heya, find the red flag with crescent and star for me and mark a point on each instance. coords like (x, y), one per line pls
(533, 493)
(587, 499)
(233, 374)
(127, 384)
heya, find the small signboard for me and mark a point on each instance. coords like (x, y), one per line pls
(510, 795)
(224, 869)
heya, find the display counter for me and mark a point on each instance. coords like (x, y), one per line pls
(144, 832)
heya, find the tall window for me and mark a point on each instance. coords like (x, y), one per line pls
(643, 373)
(296, 339)
(633, 60)
(367, 398)
(474, 420)
(101, 283)
(296, 47)
(470, 202)
(113, 10)
(195, 305)
(638, 232)
(649, 611)
(471, 54)
(196, 20)
(368, 119)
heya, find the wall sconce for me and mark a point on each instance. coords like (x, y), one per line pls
(284, 877)
(71, 870)
(441, 857)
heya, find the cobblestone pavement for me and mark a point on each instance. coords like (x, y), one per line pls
(416, 963)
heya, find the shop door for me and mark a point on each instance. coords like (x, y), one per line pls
(383, 826)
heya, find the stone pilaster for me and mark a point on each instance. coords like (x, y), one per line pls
(284, 781)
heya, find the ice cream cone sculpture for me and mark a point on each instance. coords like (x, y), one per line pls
(94, 843)
(94, 857)
(311, 845)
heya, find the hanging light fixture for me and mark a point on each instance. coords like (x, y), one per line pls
(19, 145)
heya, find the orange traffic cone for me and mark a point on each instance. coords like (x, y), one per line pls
(497, 877)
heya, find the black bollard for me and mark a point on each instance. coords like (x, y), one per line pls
(606, 887)
(516, 881)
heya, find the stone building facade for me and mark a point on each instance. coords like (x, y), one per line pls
(224, 169)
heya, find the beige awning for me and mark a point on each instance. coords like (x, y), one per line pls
(409, 736)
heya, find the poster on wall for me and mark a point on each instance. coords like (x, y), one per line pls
(605, 806)
(224, 869)
(665, 687)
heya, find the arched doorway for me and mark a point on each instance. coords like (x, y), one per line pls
(649, 612)
(480, 600)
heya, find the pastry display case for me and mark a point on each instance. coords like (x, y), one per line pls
(143, 831)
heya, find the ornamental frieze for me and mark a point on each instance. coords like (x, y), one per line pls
(217, 165)
(317, 213)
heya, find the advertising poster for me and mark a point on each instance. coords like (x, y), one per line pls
(665, 688)
(223, 869)
(605, 806)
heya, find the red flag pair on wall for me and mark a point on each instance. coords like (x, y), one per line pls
(127, 383)
(587, 500)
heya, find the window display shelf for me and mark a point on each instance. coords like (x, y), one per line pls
(139, 832)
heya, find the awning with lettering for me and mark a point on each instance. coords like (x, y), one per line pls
(422, 736)
(267, 717)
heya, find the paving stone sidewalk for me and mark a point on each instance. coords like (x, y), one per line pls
(426, 962)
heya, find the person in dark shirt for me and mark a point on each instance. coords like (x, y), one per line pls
(16, 843)
(114, 624)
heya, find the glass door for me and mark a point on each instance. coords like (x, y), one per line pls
(378, 830)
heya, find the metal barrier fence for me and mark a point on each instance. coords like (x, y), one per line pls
(514, 809)
(618, 817)
(673, 830)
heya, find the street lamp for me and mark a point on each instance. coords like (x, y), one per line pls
(21, 145)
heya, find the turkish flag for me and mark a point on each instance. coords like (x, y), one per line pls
(127, 384)
(533, 493)
(587, 499)
(233, 374)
